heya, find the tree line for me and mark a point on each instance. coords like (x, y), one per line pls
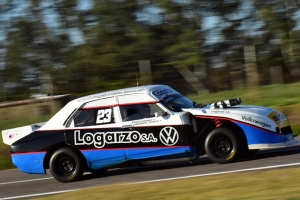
(81, 47)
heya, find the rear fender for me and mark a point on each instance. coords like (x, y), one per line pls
(56, 147)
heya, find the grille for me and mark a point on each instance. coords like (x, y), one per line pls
(286, 130)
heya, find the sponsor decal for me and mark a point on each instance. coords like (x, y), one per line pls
(276, 116)
(100, 139)
(162, 92)
(104, 116)
(279, 119)
(254, 121)
(169, 136)
(146, 121)
(168, 99)
(219, 111)
(101, 95)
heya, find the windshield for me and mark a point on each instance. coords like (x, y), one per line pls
(176, 102)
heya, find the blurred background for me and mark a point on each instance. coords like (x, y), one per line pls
(51, 50)
(79, 47)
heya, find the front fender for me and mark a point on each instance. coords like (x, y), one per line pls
(263, 127)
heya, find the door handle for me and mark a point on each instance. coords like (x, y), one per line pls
(127, 126)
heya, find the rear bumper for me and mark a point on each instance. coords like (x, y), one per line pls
(31, 163)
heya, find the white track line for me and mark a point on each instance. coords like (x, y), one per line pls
(35, 195)
(219, 173)
(39, 179)
(166, 179)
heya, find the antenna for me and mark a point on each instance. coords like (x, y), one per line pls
(137, 81)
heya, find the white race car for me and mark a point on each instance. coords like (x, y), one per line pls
(149, 124)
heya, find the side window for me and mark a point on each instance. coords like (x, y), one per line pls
(138, 111)
(92, 117)
(84, 118)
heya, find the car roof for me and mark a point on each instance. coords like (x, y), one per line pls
(147, 89)
(57, 121)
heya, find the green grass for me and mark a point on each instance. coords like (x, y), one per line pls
(271, 96)
(276, 184)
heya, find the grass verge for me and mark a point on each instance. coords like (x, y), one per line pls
(5, 159)
(271, 184)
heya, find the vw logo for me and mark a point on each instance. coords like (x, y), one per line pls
(169, 136)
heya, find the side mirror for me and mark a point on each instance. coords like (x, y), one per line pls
(159, 113)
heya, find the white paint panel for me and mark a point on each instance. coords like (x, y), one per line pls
(135, 98)
(108, 102)
(11, 135)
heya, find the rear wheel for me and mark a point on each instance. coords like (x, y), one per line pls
(66, 165)
(222, 145)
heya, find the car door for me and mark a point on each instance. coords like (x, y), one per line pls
(94, 131)
(154, 135)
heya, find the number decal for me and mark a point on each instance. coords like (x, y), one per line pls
(104, 116)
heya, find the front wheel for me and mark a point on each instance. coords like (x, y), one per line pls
(66, 165)
(222, 145)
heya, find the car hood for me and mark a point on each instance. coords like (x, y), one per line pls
(240, 109)
(263, 117)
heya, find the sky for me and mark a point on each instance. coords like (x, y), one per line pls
(211, 23)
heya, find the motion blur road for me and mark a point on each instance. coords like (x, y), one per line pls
(17, 185)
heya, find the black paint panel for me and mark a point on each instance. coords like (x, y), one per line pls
(38, 141)
(129, 137)
(113, 137)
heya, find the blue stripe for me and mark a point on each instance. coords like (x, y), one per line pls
(106, 158)
(103, 158)
(256, 135)
(142, 153)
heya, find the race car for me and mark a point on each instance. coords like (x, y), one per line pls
(146, 125)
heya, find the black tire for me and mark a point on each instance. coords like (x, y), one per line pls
(223, 146)
(66, 165)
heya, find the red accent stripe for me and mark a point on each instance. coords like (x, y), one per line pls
(123, 104)
(97, 149)
(99, 107)
(39, 152)
(134, 103)
(154, 147)
(101, 128)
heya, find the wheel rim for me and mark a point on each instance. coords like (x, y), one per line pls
(222, 146)
(66, 165)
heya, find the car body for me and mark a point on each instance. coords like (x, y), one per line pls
(146, 125)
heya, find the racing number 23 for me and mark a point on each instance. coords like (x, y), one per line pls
(103, 116)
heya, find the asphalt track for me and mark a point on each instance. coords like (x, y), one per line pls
(17, 185)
